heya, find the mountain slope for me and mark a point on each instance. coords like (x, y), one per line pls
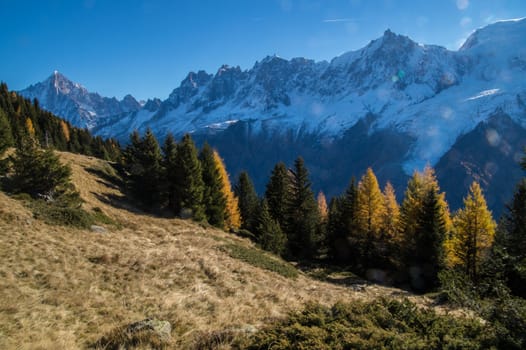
(72, 286)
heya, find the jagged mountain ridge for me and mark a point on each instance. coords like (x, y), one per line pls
(424, 97)
(75, 103)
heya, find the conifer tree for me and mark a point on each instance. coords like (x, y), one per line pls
(474, 232)
(391, 218)
(429, 252)
(188, 181)
(144, 162)
(370, 206)
(370, 211)
(169, 166)
(302, 214)
(232, 215)
(322, 206)
(269, 233)
(513, 226)
(6, 140)
(341, 225)
(277, 193)
(411, 213)
(214, 200)
(39, 172)
(6, 136)
(248, 201)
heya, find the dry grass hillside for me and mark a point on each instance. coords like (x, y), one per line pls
(64, 288)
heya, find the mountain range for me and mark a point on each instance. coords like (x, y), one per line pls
(395, 105)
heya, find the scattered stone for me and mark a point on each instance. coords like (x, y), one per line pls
(98, 229)
(148, 332)
(163, 329)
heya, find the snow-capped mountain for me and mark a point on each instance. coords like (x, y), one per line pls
(395, 104)
(74, 103)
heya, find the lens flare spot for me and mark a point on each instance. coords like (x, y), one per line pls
(446, 113)
(493, 137)
(490, 169)
(462, 4)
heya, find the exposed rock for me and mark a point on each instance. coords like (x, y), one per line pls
(98, 229)
(148, 332)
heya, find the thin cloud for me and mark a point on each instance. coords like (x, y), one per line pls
(338, 20)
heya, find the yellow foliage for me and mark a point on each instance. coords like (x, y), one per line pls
(233, 216)
(391, 217)
(370, 205)
(473, 234)
(65, 130)
(322, 206)
(29, 127)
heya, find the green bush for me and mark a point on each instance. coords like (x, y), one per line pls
(258, 258)
(381, 324)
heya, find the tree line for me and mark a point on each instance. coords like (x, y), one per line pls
(364, 228)
(21, 118)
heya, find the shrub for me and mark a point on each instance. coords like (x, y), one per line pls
(258, 258)
(381, 324)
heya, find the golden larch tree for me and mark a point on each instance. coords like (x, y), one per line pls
(29, 127)
(474, 231)
(65, 130)
(391, 215)
(232, 215)
(370, 205)
(322, 206)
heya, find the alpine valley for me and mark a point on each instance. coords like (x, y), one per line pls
(394, 105)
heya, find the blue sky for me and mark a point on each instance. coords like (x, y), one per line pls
(146, 47)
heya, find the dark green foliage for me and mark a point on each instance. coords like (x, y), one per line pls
(169, 169)
(143, 162)
(6, 135)
(428, 255)
(380, 324)
(50, 130)
(268, 232)
(247, 201)
(258, 258)
(39, 172)
(188, 181)
(214, 200)
(302, 215)
(512, 242)
(277, 193)
(505, 315)
(341, 225)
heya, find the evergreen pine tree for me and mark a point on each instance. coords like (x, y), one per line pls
(6, 136)
(144, 162)
(214, 200)
(6, 140)
(411, 213)
(169, 166)
(277, 193)
(269, 233)
(429, 242)
(514, 241)
(39, 172)
(302, 214)
(474, 232)
(232, 215)
(188, 181)
(341, 225)
(248, 201)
